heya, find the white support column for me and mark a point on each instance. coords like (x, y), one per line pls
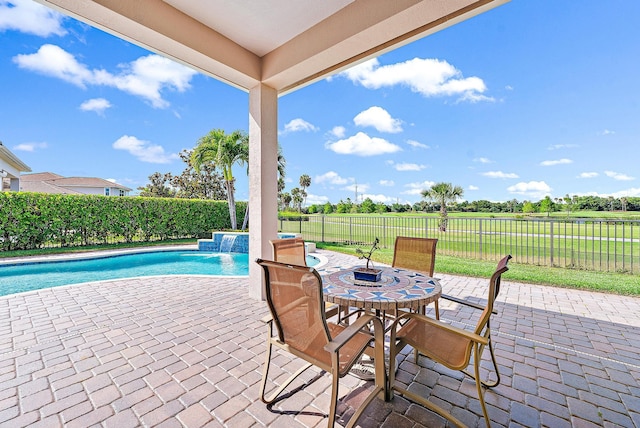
(263, 181)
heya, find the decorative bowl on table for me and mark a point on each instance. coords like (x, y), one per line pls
(367, 274)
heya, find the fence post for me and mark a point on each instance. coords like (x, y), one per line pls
(350, 230)
(480, 238)
(384, 231)
(551, 243)
(322, 227)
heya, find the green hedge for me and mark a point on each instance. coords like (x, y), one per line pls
(34, 220)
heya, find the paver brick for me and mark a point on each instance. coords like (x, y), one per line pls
(195, 416)
(112, 353)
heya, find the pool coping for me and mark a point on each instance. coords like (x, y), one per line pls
(95, 254)
(118, 252)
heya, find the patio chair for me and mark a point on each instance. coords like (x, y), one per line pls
(289, 250)
(292, 251)
(417, 254)
(448, 345)
(294, 296)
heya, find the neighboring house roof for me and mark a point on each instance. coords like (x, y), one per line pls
(49, 182)
(45, 187)
(86, 182)
(11, 159)
(40, 176)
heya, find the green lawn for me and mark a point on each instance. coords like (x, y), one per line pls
(567, 278)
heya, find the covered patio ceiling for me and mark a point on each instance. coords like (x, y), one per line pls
(283, 44)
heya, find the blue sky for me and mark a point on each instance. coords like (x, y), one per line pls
(533, 98)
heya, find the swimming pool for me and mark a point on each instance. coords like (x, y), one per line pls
(17, 278)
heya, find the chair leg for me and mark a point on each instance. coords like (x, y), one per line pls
(265, 373)
(495, 368)
(265, 370)
(335, 378)
(476, 368)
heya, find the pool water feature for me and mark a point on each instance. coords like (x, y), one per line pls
(227, 243)
(231, 242)
(27, 276)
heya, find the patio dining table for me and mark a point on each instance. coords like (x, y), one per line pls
(397, 289)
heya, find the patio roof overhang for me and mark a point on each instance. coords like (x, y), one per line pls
(285, 45)
(269, 48)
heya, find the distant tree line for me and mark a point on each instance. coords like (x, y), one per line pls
(566, 205)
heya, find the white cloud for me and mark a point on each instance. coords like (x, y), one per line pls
(556, 162)
(633, 192)
(297, 125)
(387, 183)
(618, 176)
(499, 174)
(403, 166)
(99, 105)
(378, 118)
(417, 145)
(316, 199)
(607, 132)
(338, 131)
(30, 17)
(331, 177)
(532, 189)
(418, 188)
(29, 147)
(562, 146)
(588, 175)
(428, 77)
(144, 150)
(146, 77)
(378, 198)
(483, 160)
(472, 187)
(362, 145)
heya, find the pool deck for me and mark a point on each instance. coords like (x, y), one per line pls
(188, 352)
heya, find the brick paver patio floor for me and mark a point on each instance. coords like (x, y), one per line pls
(188, 351)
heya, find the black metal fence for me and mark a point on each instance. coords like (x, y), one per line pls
(591, 244)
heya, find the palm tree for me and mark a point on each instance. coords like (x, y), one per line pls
(443, 193)
(297, 198)
(224, 151)
(305, 181)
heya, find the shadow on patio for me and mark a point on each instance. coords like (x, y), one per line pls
(188, 351)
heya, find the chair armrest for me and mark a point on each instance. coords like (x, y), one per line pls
(465, 302)
(441, 325)
(351, 330)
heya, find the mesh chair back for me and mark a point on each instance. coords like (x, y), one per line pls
(289, 250)
(494, 289)
(294, 296)
(417, 254)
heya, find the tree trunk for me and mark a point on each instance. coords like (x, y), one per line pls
(232, 204)
(246, 218)
(443, 218)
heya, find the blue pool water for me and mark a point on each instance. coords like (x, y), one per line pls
(34, 276)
